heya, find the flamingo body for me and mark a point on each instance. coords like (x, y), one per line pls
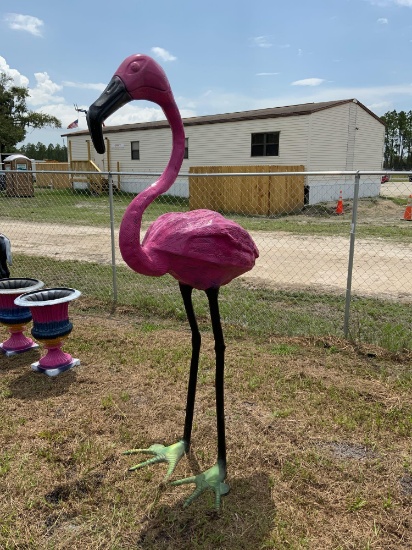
(200, 248)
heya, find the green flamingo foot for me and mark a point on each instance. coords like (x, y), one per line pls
(213, 478)
(171, 454)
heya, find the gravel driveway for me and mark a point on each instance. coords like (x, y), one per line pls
(381, 268)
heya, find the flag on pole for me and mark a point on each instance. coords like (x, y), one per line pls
(74, 124)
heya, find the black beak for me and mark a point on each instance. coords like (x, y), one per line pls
(113, 97)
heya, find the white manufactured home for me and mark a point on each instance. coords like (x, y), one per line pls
(331, 135)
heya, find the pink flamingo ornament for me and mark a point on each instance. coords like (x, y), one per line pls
(200, 248)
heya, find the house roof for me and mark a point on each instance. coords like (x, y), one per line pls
(272, 112)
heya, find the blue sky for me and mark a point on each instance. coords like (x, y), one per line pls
(220, 56)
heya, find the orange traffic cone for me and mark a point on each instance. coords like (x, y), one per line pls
(408, 210)
(339, 206)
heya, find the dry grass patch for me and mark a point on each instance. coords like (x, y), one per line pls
(319, 452)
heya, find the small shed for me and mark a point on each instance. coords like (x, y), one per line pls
(19, 177)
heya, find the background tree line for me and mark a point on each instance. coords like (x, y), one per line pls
(398, 140)
(43, 152)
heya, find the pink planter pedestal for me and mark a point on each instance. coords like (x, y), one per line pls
(14, 317)
(51, 325)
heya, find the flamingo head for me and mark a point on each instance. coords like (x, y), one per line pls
(138, 77)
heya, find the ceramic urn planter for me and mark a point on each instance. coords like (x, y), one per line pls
(14, 317)
(51, 326)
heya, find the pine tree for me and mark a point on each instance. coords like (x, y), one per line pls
(398, 140)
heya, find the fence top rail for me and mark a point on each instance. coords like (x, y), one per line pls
(219, 174)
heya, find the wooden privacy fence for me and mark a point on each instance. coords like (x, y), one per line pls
(253, 195)
(52, 181)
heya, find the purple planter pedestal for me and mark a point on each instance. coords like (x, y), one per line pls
(51, 325)
(15, 317)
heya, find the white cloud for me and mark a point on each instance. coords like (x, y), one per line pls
(163, 54)
(384, 3)
(65, 113)
(382, 21)
(308, 82)
(380, 106)
(262, 41)
(99, 87)
(19, 79)
(26, 23)
(129, 114)
(44, 90)
(216, 101)
(133, 113)
(379, 99)
(265, 74)
(187, 113)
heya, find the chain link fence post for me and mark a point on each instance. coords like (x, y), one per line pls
(113, 239)
(351, 255)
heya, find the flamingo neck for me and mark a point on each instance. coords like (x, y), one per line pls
(129, 236)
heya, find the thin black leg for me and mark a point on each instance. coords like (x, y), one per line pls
(213, 295)
(186, 292)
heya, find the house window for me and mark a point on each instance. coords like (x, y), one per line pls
(265, 144)
(135, 150)
(186, 148)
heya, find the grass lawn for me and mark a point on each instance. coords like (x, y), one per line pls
(318, 428)
(245, 308)
(318, 435)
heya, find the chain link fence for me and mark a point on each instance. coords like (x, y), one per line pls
(335, 247)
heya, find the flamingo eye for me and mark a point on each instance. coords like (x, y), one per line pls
(135, 67)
